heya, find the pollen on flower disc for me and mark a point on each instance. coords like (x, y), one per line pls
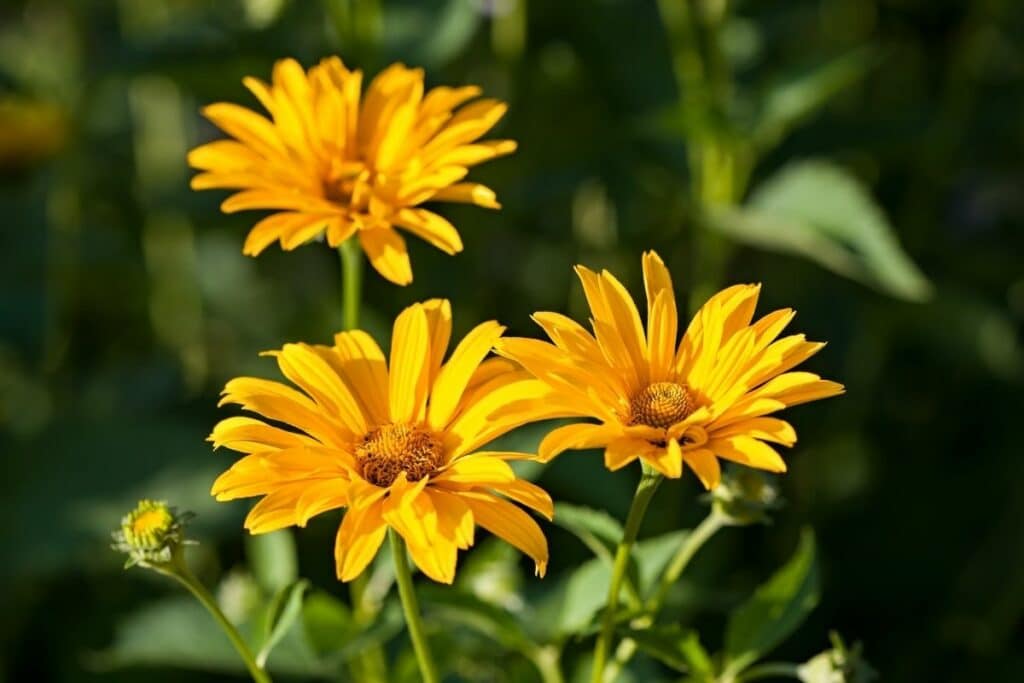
(661, 405)
(386, 451)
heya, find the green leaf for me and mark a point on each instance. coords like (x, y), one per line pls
(775, 609)
(598, 530)
(796, 97)
(817, 210)
(179, 633)
(569, 608)
(327, 622)
(273, 560)
(496, 623)
(653, 555)
(284, 609)
(675, 647)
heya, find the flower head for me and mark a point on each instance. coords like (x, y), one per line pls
(151, 534)
(395, 442)
(707, 397)
(332, 161)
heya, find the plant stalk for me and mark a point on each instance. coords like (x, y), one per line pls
(413, 621)
(352, 282)
(197, 589)
(649, 481)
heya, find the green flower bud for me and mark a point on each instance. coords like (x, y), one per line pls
(837, 665)
(745, 496)
(151, 534)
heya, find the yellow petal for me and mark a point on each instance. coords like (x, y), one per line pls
(308, 370)
(668, 460)
(453, 378)
(439, 322)
(505, 520)
(764, 428)
(431, 227)
(359, 538)
(410, 351)
(361, 363)
(704, 463)
(249, 435)
(387, 253)
(468, 193)
(528, 494)
(748, 451)
(476, 469)
(573, 437)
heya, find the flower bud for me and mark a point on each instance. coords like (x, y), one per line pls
(837, 665)
(151, 534)
(745, 496)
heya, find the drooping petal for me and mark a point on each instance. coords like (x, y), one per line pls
(359, 538)
(505, 520)
(387, 253)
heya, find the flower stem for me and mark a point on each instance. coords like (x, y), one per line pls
(352, 282)
(403, 577)
(649, 481)
(189, 581)
(770, 670)
(693, 542)
(687, 549)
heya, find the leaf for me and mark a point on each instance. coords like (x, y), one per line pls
(598, 530)
(675, 647)
(273, 560)
(569, 608)
(281, 614)
(177, 632)
(327, 622)
(796, 97)
(653, 555)
(817, 210)
(775, 610)
(500, 625)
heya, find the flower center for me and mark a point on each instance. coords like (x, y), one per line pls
(386, 451)
(147, 524)
(661, 405)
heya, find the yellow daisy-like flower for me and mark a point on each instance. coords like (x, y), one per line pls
(393, 442)
(330, 161)
(708, 397)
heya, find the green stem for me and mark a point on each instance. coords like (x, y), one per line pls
(693, 542)
(352, 282)
(371, 664)
(689, 547)
(185, 578)
(769, 670)
(546, 660)
(413, 621)
(649, 481)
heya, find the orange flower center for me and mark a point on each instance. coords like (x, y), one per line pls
(386, 451)
(661, 405)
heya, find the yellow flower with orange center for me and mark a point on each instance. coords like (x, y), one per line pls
(395, 442)
(709, 396)
(332, 161)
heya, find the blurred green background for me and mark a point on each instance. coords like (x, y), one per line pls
(858, 138)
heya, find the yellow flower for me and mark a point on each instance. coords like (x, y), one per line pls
(709, 396)
(394, 442)
(330, 163)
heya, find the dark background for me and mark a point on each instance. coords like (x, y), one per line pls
(126, 302)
